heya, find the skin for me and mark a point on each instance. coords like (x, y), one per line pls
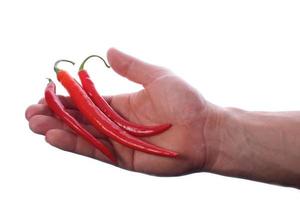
(253, 145)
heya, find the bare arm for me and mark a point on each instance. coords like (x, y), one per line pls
(253, 145)
(263, 146)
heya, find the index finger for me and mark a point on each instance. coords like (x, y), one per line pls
(68, 103)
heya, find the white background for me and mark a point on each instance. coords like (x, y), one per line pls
(236, 53)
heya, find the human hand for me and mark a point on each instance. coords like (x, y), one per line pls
(165, 99)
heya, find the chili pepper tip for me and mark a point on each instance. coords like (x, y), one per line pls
(56, 69)
(84, 61)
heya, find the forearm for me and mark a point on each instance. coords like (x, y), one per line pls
(259, 146)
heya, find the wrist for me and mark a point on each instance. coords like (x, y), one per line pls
(223, 133)
(213, 132)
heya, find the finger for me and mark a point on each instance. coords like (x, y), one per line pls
(41, 124)
(42, 101)
(134, 69)
(37, 109)
(108, 99)
(42, 109)
(66, 101)
(69, 142)
(78, 116)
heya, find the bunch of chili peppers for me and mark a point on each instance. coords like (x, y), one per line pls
(100, 114)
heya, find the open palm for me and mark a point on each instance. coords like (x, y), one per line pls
(164, 99)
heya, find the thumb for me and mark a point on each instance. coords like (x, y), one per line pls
(134, 69)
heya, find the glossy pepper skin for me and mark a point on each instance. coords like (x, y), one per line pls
(58, 108)
(130, 127)
(101, 122)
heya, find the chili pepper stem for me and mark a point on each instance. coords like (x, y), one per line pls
(92, 56)
(49, 79)
(56, 69)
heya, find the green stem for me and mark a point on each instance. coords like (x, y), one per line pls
(56, 69)
(49, 79)
(85, 60)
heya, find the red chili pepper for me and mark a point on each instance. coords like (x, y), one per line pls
(101, 122)
(58, 108)
(132, 128)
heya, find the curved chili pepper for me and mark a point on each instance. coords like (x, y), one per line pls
(101, 122)
(58, 108)
(132, 128)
